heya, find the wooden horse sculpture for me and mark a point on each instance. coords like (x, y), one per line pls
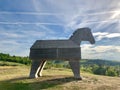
(70, 50)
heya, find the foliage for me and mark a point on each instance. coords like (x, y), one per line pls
(102, 69)
(17, 59)
(99, 62)
(95, 68)
(56, 64)
(6, 63)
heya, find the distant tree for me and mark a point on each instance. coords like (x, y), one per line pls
(94, 67)
(101, 70)
(111, 71)
(17, 59)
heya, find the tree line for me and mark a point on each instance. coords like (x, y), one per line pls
(99, 67)
(102, 69)
(108, 69)
(17, 59)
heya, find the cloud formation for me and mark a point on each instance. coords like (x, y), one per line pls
(102, 35)
(109, 52)
(21, 23)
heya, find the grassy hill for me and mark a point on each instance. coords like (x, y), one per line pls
(16, 78)
(57, 75)
(99, 67)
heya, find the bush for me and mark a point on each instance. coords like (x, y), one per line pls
(17, 59)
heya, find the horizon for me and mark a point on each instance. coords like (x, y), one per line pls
(22, 23)
(64, 60)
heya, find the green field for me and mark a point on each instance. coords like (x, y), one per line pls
(15, 77)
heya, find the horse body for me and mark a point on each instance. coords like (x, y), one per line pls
(55, 49)
(70, 50)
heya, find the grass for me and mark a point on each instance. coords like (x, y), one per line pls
(6, 63)
(16, 78)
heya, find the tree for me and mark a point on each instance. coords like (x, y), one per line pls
(101, 70)
(111, 71)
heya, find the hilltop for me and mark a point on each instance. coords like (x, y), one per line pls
(57, 75)
(16, 78)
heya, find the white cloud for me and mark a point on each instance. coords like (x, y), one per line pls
(11, 34)
(8, 42)
(33, 33)
(101, 35)
(103, 49)
(31, 13)
(34, 23)
(113, 35)
(100, 52)
(14, 48)
(46, 29)
(74, 14)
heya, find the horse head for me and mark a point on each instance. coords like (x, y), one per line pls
(82, 34)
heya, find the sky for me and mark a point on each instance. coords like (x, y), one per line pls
(22, 22)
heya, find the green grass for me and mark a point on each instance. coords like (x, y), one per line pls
(6, 63)
(14, 86)
(16, 78)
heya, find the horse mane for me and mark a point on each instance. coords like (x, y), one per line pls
(75, 36)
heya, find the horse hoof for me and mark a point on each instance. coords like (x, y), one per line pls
(78, 78)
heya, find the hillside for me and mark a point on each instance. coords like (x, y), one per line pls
(16, 78)
(99, 67)
(86, 62)
(100, 62)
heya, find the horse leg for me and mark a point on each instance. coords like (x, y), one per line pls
(75, 66)
(34, 68)
(42, 64)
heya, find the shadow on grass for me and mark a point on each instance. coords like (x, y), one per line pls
(24, 83)
(12, 84)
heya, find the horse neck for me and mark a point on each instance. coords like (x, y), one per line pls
(76, 39)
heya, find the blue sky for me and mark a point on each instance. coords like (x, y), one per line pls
(22, 22)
